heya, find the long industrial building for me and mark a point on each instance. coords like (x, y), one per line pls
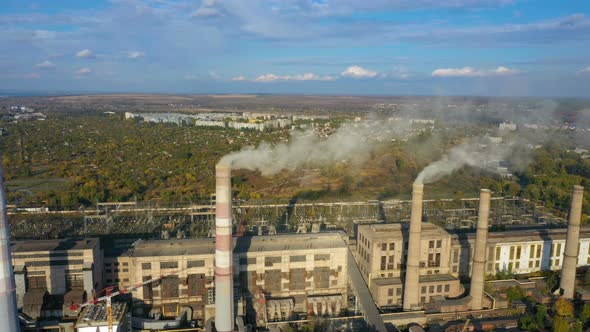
(292, 276)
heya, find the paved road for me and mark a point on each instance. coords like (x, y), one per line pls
(368, 307)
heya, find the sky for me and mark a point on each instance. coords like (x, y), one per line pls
(342, 47)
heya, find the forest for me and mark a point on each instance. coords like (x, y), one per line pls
(72, 161)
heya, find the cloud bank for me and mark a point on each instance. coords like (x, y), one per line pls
(358, 72)
(472, 72)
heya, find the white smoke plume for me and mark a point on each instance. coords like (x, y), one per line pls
(476, 152)
(352, 142)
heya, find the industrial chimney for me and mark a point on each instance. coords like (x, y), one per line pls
(224, 297)
(479, 253)
(570, 255)
(8, 310)
(412, 279)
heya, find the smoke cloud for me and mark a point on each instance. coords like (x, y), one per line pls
(478, 152)
(352, 142)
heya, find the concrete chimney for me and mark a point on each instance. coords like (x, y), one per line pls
(479, 253)
(8, 310)
(224, 290)
(570, 255)
(412, 278)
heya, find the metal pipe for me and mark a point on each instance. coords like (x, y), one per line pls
(570, 255)
(479, 252)
(224, 297)
(8, 309)
(412, 279)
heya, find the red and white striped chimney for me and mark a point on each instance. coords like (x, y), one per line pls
(224, 297)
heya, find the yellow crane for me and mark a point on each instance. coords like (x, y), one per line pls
(465, 327)
(109, 294)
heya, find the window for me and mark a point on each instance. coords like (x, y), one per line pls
(125, 264)
(168, 265)
(423, 289)
(539, 247)
(510, 266)
(498, 250)
(512, 252)
(431, 244)
(532, 251)
(439, 288)
(518, 249)
(431, 289)
(447, 288)
(383, 262)
(392, 246)
(298, 258)
(390, 292)
(321, 257)
(383, 246)
(146, 266)
(398, 291)
(530, 263)
(390, 263)
(439, 243)
(456, 256)
(537, 263)
(517, 265)
(423, 299)
(199, 263)
(271, 260)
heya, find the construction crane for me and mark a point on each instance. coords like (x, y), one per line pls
(465, 327)
(109, 294)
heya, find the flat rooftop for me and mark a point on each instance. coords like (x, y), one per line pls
(54, 245)
(309, 241)
(96, 315)
(524, 235)
(206, 246)
(397, 231)
(423, 279)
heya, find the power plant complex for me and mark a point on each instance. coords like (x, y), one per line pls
(383, 274)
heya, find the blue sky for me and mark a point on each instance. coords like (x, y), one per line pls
(395, 47)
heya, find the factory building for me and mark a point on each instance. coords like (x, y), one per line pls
(50, 275)
(448, 257)
(382, 255)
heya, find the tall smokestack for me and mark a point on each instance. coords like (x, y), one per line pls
(570, 256)
(479, 253)
(412, 279)
(8, 310)
(224, 297)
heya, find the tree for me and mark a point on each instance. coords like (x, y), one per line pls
(560, 324)
(541, 315)
(515, 293)
(585, 314)
(527, 323)
(578, 327)
(563, 307)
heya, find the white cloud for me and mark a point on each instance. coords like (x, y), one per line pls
(238, 78)
(83, 71)
(298, 77)
(205, 12)
(585, 70)
(358, 72)
(86, 53)
(45, 65)
(135, 55)
(472, 72)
